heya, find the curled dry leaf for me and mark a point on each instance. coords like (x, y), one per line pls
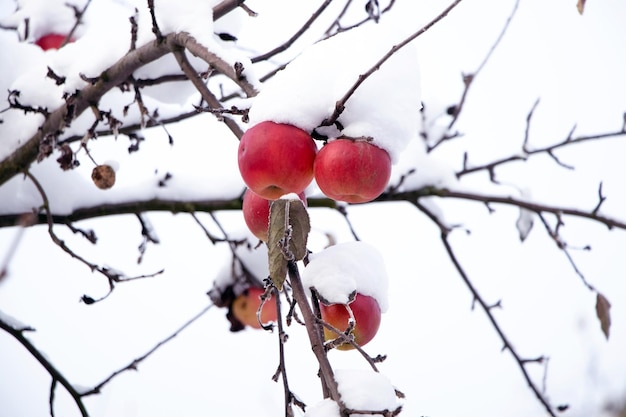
(603, 308)
(287, 236)
(103, 176)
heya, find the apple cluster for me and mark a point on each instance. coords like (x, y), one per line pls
(277, 159)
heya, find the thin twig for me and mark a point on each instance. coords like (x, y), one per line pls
(290, 41)
(341, 103)
(211, 100)
(469, 78)
(544, 150)
(554, 234)
(132, 366)
(78, 15)
(477, 298)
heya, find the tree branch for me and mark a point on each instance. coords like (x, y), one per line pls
(117, 74)
(175, 206)
(56, 375)
(512, 201)
(521, 362)
(527, 152)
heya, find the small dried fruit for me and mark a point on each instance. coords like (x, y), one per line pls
(103, 176)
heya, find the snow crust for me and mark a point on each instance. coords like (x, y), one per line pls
(305, 92)
(338, 271)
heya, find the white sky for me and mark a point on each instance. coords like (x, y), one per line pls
(443, 356)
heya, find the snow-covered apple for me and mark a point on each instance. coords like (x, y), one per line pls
(352, 170)
(276, 159)
(367, 315)
(256, 213)
(51, 41)
(246, 305)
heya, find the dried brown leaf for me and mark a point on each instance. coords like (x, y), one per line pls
(287, 236)
(66, 160)
(603, 308)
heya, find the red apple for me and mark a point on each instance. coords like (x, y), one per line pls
(245, 307)
(354, 171)
(367, 315)
(51, 41)
(256, 213)
(276, 159)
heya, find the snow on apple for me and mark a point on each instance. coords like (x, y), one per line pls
(340, 270)
(305, 92)
(324, 408)
(356, 387)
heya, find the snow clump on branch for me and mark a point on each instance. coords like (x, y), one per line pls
(384, 107)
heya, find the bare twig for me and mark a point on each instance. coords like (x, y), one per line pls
(341, 103)
(211, 100)
(375, 15)
(487, 309)
(132, 366)
(282, 367)
(78, 15)
(290, 41)
(155, 26)
(469, 78)
(562, 245)
(341, 208)
(113, 276)
(549, 150)
(225, 7)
